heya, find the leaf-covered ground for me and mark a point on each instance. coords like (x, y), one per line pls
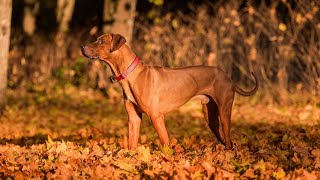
(66, 133)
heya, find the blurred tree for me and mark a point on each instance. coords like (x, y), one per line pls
(5, 23)
(64, 14)
(30, 12)
(119, 17)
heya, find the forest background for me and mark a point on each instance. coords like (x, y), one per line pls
(48, 90)
(277, 40)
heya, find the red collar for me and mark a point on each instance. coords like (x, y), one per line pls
(123, 75)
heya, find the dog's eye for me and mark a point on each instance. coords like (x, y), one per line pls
(100, 41)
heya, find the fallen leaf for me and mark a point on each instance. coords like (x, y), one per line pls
(249, 174)
(145, 154)
(316, 152)
(260, 166)
(197, 174)
(305, 161)
(49, 143)
(279, 174)
(125, 166)
(166, 150)
(208, 167)
(62, 147)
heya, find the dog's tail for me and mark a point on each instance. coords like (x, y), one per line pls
(249, 93)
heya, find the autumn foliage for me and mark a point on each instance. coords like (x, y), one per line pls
(78, 133)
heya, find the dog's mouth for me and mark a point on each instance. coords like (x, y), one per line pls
(86, 55)
(96, 57)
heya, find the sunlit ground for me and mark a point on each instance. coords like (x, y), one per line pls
(88, 138)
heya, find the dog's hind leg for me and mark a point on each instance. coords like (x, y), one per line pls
(225, 108)
(211, 114)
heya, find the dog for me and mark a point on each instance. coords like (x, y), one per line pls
(156, 91)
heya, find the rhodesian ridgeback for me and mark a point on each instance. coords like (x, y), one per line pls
(156, 91)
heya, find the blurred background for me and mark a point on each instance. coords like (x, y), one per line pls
(61, 117)
(276, 39)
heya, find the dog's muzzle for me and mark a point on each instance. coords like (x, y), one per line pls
(84, 53)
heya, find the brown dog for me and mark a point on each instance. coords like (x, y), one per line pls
(156, 91)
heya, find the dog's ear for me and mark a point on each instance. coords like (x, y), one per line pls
(117, 42)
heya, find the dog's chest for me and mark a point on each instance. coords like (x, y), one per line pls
(127, 94)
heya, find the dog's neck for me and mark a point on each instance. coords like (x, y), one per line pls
(121, 60)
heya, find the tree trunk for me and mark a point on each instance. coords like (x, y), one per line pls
(282, 76)
(119, 17)
(64, 14)
(5, 23)
(31, 9)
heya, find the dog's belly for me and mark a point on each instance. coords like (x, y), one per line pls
(203, 98)
(167, 105)
(167, 89)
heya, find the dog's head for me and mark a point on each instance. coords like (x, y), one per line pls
(103, 47)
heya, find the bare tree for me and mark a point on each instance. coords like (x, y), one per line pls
(5, 25)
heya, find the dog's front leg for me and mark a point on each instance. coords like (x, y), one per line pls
(159, 125)
(134, 118)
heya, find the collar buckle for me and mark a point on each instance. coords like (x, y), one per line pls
(113, 79)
